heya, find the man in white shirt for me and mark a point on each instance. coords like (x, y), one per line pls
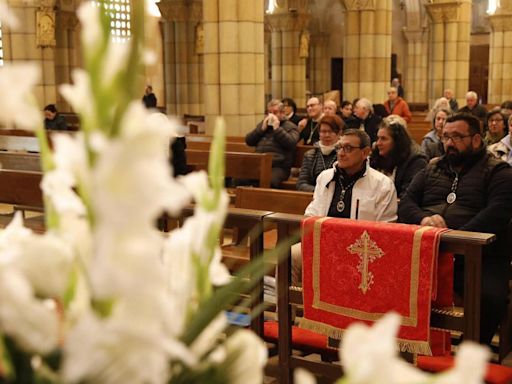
(350, 189)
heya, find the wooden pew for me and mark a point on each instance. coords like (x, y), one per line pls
(300, 151)
(20, 161)
(418, 129)
(468, 244)
(208, 138)
(239, 165)
(275, 200)
(230, 146)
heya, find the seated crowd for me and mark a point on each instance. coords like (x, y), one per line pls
(363, 166)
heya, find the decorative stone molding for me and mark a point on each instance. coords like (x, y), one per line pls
(181, 10)
(293, 21)
(67, 20)
(444, 12)
(500, 22)
(45, 28)
(359, 5)
(415, 35)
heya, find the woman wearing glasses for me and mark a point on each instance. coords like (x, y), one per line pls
(395, 154)
(322, 157)
(503, 148)
(497, 127)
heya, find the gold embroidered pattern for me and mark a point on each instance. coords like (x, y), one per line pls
(368, 252)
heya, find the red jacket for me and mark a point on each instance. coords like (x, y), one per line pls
(401, 108)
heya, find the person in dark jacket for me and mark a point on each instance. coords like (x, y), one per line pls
(431, 144)
(149, 98)
(309, 127)
(290, 110)
(277, 136)
(473, 107)
(468, 189)
(395, 154)
(365, 119)
(319, 159)
(52, 119)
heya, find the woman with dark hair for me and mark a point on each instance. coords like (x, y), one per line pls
(319, 159)
(497, 127)
(290, 110)
(395, 154)
(346, 110)
(52, 118)
(431, 144)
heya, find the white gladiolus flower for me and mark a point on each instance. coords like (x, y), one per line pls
(89, 16)
(58, 186)
(301, 376)
(29, 321)
(369, 354)
(470, 365)
(210, 336)
(79, 94)
(112, 350)
(18, 105)
(250, 355)
(7, 17)
(69, 156)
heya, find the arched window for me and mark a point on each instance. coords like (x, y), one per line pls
(119, 11)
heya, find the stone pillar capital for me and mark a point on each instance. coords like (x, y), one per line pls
(444, 12)
(359, 5)
(415, 35)
(67, 20)
(181, 10)
(293, 21)
(500, 22)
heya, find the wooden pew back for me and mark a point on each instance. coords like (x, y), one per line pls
(239, 165)
(274, 200)
(21, 161)
(230, 146)
(468, 244)
(21, 188)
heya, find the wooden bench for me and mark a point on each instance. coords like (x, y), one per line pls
(230, 146)
(20, 161)
(72, 120)
(208, 138)
(273, 200)
(300, 151)
(239, 165)
(468, 244)
(418, 129)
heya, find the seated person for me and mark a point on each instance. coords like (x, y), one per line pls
(277, 136)
(52, 119)
(365, 119)
(309, 127)
(431, 144)
(503, 148)
(290, 110)
(322, 157)
(497, 128)
(330, 108)
(350, 189)
(469, 190)
(346, 110)
(396, 154)
(395, 105)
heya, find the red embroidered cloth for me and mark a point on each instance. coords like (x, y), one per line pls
(355, 270)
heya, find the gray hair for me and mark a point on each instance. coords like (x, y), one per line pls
(364, 102)
(471, 95)
(275, 102)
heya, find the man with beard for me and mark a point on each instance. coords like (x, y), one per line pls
(467, 189)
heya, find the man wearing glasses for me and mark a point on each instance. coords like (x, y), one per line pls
(350, 189)
(468, 189)
(309, 127)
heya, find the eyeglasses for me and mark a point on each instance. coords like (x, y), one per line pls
(347, 148)
(495, 121)
(311, 105)
(455, 138)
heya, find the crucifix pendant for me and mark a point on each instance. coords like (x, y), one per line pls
(340, 207)
(451, 198)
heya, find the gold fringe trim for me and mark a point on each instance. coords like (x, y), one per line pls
(418, 347)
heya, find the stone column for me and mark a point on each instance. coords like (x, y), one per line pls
(319, 75)
(417, 65)
(449, 63)
(290, 49)
(234, 63)
(367, 49)
(66, 52)
(183, 56)
(500, 54)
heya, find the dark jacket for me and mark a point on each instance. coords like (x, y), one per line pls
(484, 197)
(405, 170)
(454, 105)
(479, 111)
(295, 119)
(58, 123)
(279, 141)
(310, 135)
(371, 125)
(149, 100)
(313, 164)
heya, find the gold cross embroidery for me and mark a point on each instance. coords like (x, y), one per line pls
(368, 251)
